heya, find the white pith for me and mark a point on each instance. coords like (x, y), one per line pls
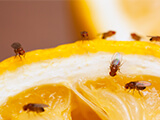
(70, 70)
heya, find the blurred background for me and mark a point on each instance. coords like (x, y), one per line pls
(38, 24)
(35, 24)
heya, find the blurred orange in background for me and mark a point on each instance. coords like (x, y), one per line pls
(143, 15)
(45, 24)
(124, 16)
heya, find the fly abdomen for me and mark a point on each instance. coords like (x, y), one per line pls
(141, 88)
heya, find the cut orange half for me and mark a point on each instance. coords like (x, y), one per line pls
(74, 81)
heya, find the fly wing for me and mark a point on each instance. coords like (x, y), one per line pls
(84, 32)
(150, 36)
(153, 36)
(40, 105)
(118, 56)
(143, 83)
(16, 45)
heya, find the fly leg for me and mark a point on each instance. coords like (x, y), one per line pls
(133, 91)
(28, 112)
(139, 93)
(103, 36)
(16, 54)
(119, 71)
(120, 66)
(87, 37)
(34, 113)
(20, 57)
(129, 90)
(24, 55)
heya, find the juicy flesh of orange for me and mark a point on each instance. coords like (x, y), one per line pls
(64, 103)
(111, 94)
(104, 93)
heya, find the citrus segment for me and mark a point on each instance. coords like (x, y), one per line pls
(56, 96)
(63, 104)
(121, 104)
(81, 110)
(78, 74)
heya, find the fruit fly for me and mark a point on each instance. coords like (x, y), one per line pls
(84, 34)
(138, 85)
(34, 107)
(154, 38)
(18, 49)
(135, 36)
(115, 64)
(108, 34)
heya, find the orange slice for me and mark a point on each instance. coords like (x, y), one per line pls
(74, 80)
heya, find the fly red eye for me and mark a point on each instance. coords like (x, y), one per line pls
(113, 32)
(133, 34)
(112, 74)
(126, 87)
(25, 108)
